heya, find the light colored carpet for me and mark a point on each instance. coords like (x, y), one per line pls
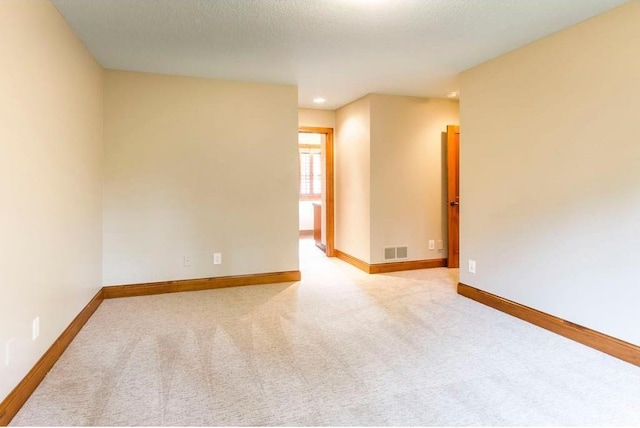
(339, 348)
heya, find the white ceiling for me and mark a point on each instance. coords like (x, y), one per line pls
(337, 49)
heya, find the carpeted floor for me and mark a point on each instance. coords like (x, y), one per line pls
(339, 348)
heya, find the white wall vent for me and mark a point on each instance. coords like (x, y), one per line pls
(396, 253)
(401, 252)
(390, 253)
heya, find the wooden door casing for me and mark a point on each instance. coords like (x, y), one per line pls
(327, 185)
(453, 195)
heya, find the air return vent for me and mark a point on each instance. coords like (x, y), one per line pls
(395, 253)
(390, 253)
(401, 252)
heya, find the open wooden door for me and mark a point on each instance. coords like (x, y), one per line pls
(453, 195)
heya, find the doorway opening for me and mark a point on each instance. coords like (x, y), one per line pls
(316, 187)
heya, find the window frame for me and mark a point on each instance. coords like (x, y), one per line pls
(309, 196)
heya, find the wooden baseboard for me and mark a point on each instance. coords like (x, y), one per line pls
(21, 393)
(363, 266)
(116, 291)
(390, 267)
(600, 341)
(410, 265)
(305, 233)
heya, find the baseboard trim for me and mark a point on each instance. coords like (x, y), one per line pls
(390, 267)
(594, 339)
(409, 265)
(146, 289)
(21, 393)
(363, 266)
(305, 233)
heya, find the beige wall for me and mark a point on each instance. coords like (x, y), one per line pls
(196, 166)
(408, 163)
(50, 181)
(316, 118)
(550, 174)
(353, 179)
(305, 210)
(390, 175)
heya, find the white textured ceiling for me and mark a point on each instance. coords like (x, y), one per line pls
(337, 49)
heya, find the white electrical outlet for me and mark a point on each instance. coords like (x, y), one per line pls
(7, 351)
(432, 244)
(217, 258)
(187, 261)
(440, 244)
(35, 328)
(472, 266)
